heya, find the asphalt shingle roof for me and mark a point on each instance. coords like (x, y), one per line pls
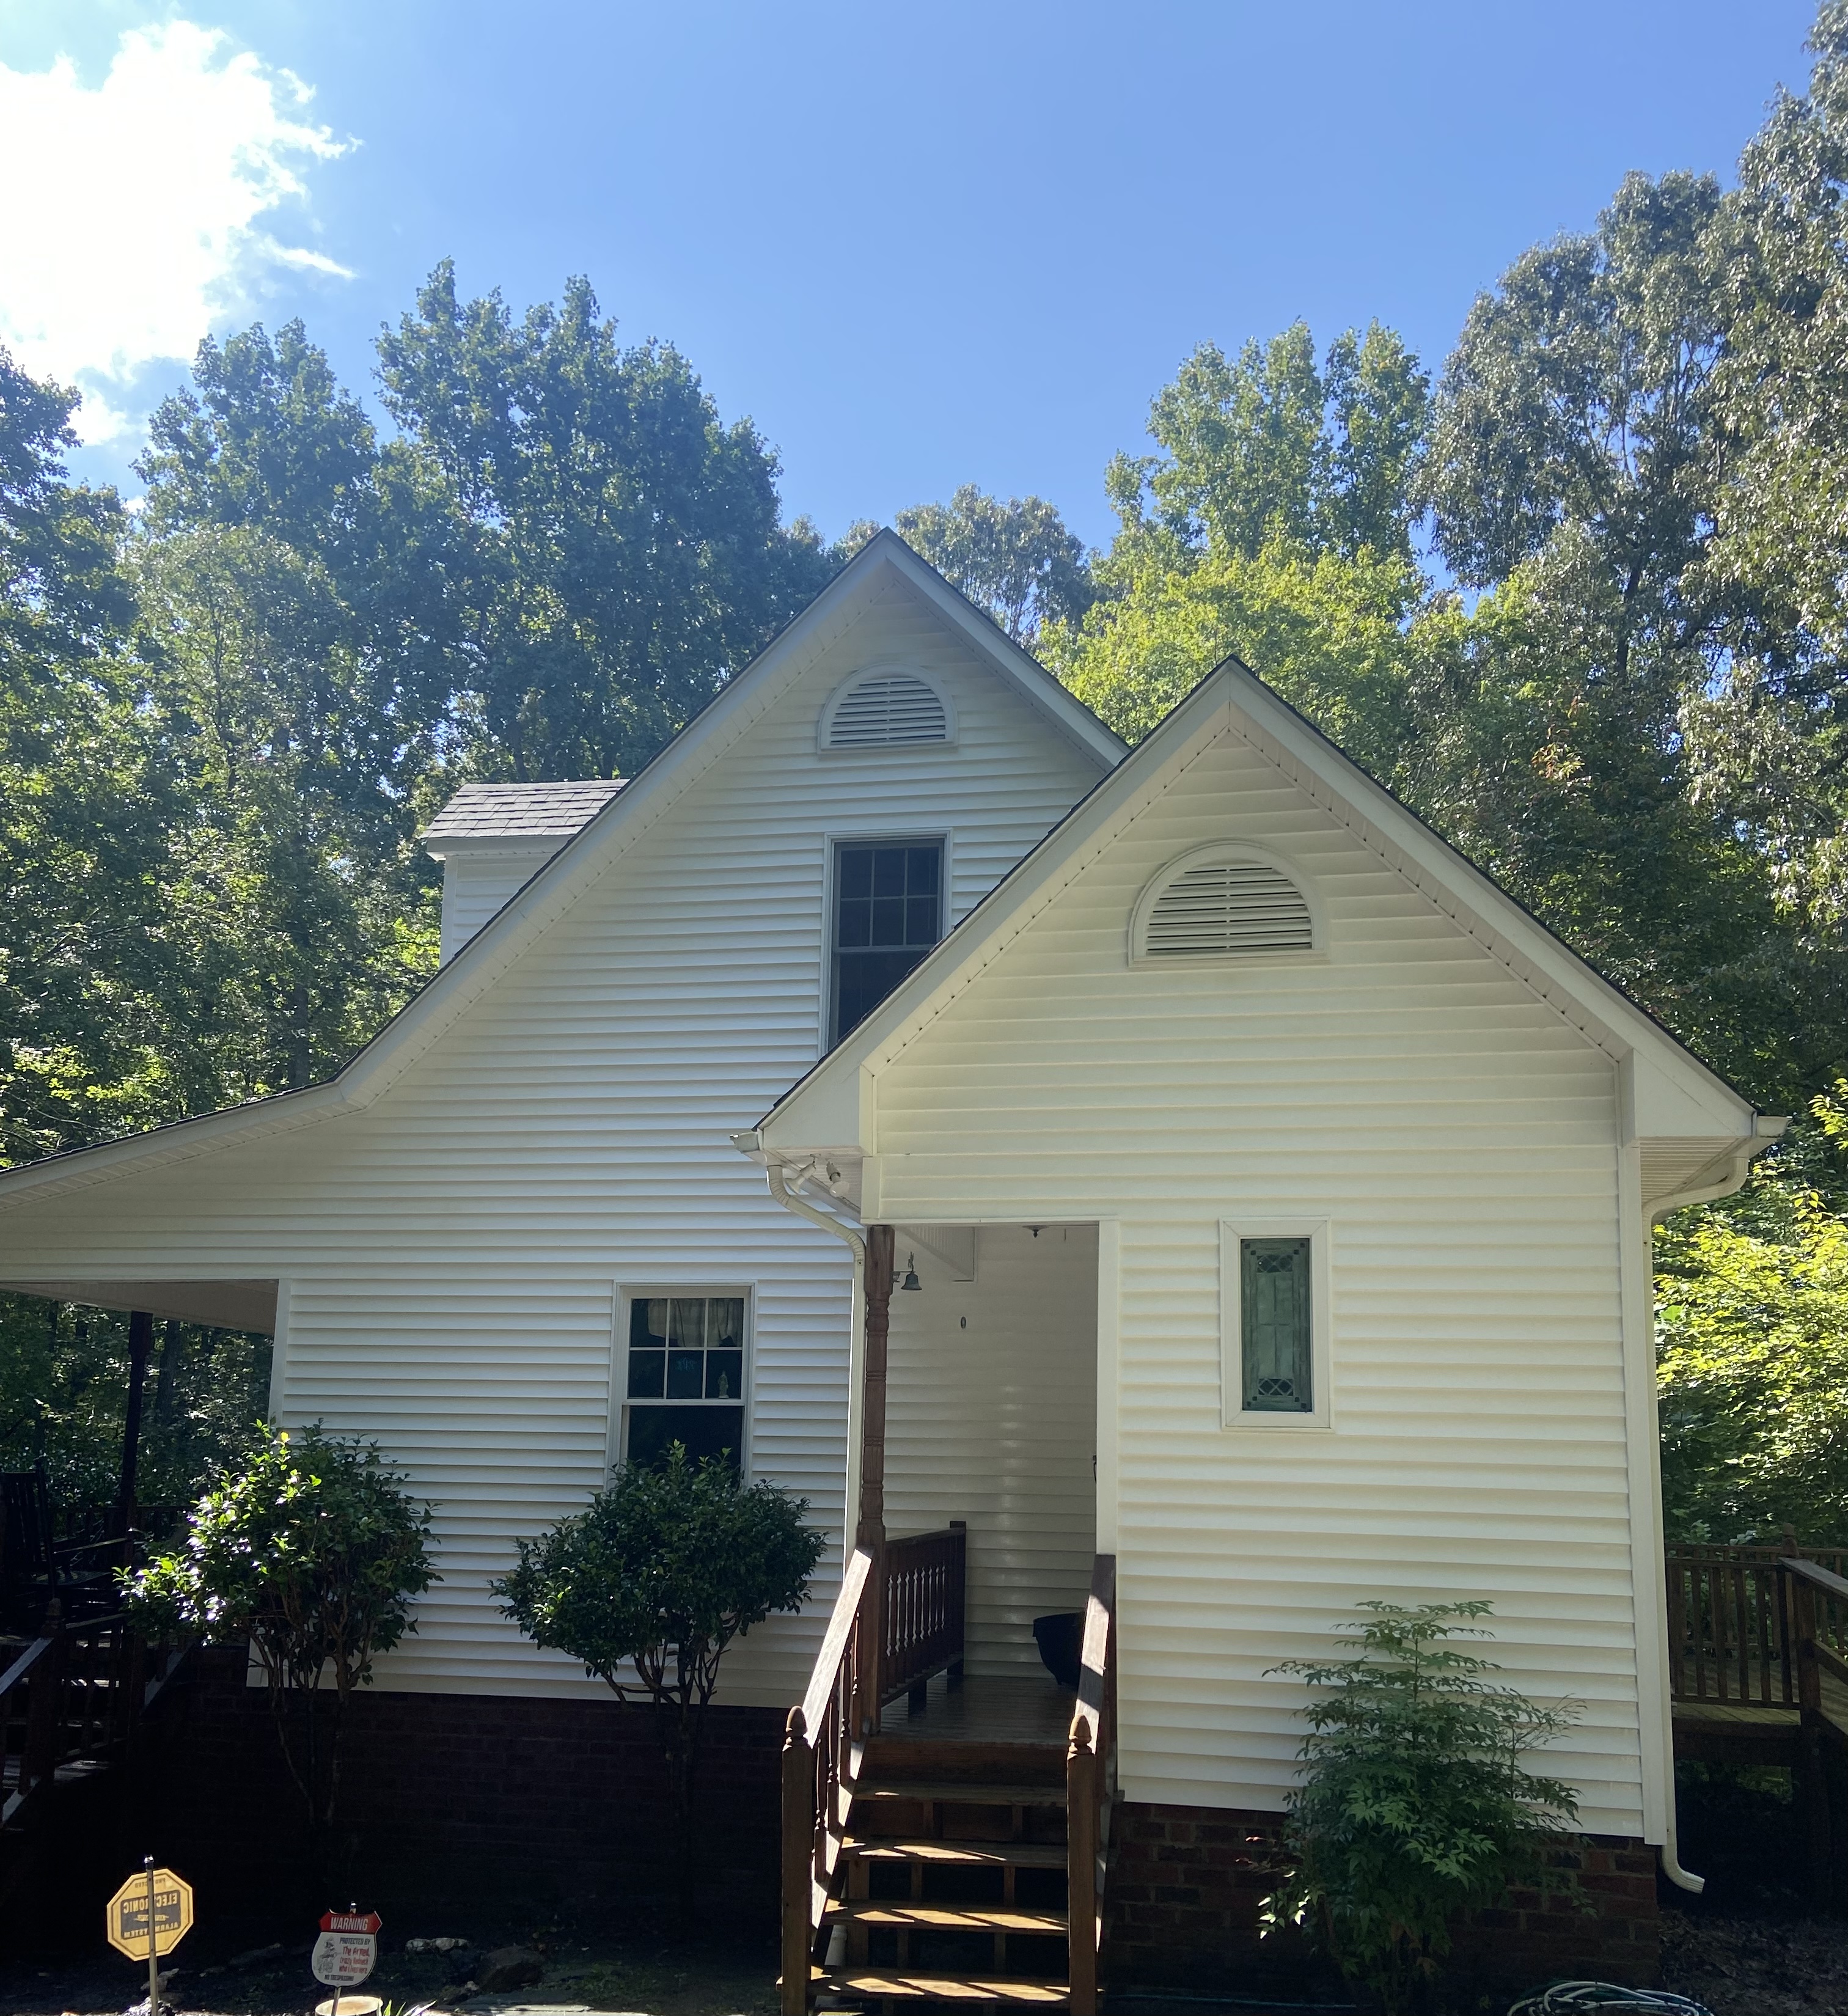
(519, 812)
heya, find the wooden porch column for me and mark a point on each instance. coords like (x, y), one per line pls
(870, 1532)
(141, 1336)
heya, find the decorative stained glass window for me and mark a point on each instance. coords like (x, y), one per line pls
(889, 912)
(1275, 1328)
(685, 1376)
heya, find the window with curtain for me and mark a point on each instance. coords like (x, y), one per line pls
(685, 1376)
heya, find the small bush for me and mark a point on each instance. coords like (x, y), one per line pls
(1413, 1803)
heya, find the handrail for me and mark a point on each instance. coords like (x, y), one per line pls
(820, 1746)
(1091, 1775)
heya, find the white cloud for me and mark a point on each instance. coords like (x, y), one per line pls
(129, 231)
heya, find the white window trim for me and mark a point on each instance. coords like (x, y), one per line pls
(628, 1293)
(1233, 1414)
(1227, 853)
(885, 668)
(832, 842)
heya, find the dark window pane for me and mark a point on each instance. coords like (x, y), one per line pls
(1275, 1320)
(725, 1374)
(921, 879)
(889, 872)
(703, 1431)
(645, 1370)
(648, 1323)
(920, 921)
(856, 922)
(888, 920)
(724, 1322)
(689, 1322)
(686, 1376)
(856, 871)
(866, 980)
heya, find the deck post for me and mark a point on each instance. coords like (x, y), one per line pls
(1812, 1782)
(141, 1336)
(1082, 1765)
(799, 1863)
(870, 1531)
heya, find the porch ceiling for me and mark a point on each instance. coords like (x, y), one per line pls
(250, 1306)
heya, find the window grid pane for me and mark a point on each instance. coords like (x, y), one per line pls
(1275, 1326)
(889, 912)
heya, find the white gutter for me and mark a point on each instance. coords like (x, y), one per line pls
(752, 1144)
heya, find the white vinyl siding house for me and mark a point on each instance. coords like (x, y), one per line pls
(1437, 1106)
(457, 1250)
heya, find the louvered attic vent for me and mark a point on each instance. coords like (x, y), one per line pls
(1218, 908)
(887, 711)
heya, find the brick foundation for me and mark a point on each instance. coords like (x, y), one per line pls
(529, 1804)
(1186, 1883)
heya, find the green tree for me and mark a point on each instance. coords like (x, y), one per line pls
(1415, 1804)
(1015, 560)
(312, 1552)
(650, 1583)
(617, 552)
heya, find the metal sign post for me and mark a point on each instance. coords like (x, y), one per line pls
(147, 1918)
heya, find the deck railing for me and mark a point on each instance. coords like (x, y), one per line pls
(922, 1633)
(1733, 1630)
(897, 1621)
(1090, 1786)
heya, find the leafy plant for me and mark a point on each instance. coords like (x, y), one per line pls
(653, 1580)
(312, 1550)
(1413, 1803)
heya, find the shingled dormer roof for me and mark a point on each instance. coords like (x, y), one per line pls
(481, 812)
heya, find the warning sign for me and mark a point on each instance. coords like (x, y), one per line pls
(127, 1915)
(347, 1950)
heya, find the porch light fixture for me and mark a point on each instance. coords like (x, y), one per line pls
(911, 1281)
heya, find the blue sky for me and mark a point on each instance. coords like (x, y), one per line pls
(920, 245)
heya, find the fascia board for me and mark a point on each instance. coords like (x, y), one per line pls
(1044, 693)
(555, 884)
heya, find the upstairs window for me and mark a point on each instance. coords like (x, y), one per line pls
(685, 1376)
(887, 710)
(889, 912)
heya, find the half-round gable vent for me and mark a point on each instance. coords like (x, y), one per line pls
(887, 710)
(1214, 908)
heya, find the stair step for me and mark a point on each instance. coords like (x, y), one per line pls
(935, 1791)
(946, 1917)
(871, 1983)
(949, 1854)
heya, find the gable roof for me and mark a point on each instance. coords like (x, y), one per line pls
(626, 814)
(1689, 1098)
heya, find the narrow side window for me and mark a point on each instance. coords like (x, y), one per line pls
(1277, 1328)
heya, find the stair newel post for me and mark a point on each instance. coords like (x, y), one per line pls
(1812, 1783)
(39, 1764)
(1081, 1867)
(799, 1863)
(871, 1531)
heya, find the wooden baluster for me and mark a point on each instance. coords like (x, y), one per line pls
(1677, 1629)
(1743, 1629)
(959, 1571)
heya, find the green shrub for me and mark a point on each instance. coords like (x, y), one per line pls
(653, 1580)
(1413, 1805)
(312, 1551)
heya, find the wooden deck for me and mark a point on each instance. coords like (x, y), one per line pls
(1033, 1709)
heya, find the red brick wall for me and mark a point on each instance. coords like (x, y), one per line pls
(1187, 1882)
(448, 1797)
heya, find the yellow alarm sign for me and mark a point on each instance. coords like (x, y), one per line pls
(129, 1915)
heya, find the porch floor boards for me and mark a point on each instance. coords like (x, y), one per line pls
(1033, 1708)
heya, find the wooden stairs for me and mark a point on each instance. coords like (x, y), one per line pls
(944, 1862)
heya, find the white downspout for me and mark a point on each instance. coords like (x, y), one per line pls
(779, 1190)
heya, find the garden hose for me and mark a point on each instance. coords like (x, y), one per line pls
(1568, 1998)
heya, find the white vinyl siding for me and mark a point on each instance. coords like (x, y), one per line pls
(1460, 1140)
(454, 1250)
